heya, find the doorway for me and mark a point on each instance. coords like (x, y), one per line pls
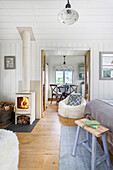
(53, 57)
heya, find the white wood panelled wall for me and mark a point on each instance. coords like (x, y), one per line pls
(9, 78)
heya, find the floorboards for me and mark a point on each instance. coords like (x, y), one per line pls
(39, 150)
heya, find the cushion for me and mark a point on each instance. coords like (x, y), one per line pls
(74, 99)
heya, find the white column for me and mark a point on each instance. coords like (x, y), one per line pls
(26, 60)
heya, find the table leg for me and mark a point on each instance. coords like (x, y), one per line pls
(106, 149)
(88, 138)
(93, 163)
(76, 141)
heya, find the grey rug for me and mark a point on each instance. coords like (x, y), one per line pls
(22, 128)
(82, 161)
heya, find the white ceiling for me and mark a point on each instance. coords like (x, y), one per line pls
(52, 53)
(95, 21)
(70, 60)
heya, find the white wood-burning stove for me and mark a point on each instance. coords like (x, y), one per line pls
(25, 105)
(25, 100)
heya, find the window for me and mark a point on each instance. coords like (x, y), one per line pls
(59, 76)
(68, 76)
(106, 66)
(64, 77)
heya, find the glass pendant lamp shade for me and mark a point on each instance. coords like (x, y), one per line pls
(68, 15)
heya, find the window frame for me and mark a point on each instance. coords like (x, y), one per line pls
(100, 66)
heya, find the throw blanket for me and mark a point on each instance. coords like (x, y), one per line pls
(102, 111)
(110, 102)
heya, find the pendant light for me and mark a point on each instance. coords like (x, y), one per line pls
(68, 15)
(64, 60)
(64, 66)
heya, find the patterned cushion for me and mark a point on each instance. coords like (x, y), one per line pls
(74, 99)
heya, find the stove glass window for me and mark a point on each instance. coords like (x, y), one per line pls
(22, 102)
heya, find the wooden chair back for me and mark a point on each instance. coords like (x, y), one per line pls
(73, 88)
(53, 88)
(54, 92)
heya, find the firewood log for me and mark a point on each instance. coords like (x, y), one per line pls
(26, 118)
(12, 106)
(19, 121)
(28, 121)
(22, 120)
(7, 108)
(19, 117)
(1, 103)
(25, 122)
(10, 103)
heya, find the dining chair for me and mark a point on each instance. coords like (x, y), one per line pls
(55, 92)
(73, 88)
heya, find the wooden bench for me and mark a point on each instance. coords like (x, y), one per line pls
(100, 131)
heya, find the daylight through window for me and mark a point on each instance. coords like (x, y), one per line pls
(64, 77)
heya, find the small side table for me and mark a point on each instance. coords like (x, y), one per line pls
(100, 131)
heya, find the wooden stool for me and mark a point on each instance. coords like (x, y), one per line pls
(100, 131)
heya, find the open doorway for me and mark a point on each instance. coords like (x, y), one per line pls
(62, 68)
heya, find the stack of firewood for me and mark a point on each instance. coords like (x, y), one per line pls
(23, 120)
(6, 112)
(6, 105)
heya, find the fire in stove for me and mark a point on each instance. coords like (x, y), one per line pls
(23, 102)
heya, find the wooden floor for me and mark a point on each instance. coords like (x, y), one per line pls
(39, 150)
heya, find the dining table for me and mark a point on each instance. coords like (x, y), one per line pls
(61, 91)
(63, 88)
